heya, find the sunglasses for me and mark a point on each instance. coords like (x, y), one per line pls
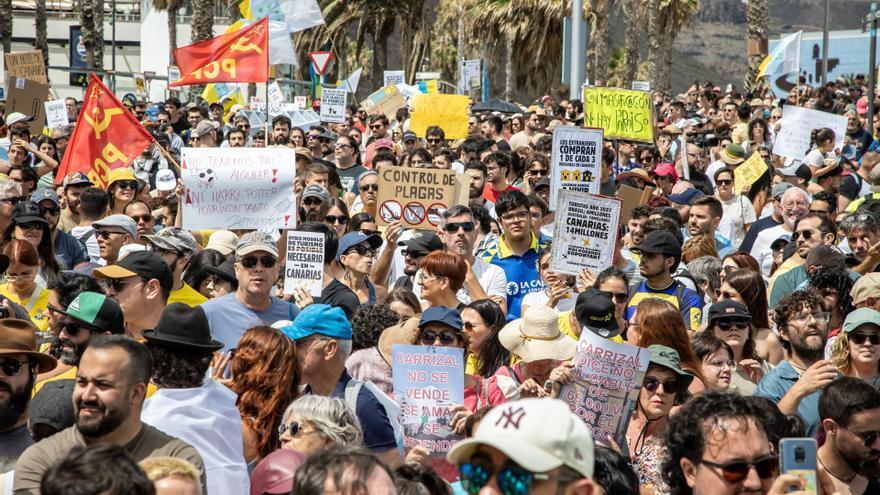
(369, 187)
(806, 234)
(73, 329)
(377, 126)
(619, 297)
(32, 226)
(539, 171)
(428, 337)
(314, 136)
(293, 428)
(146, 218)
(362, 250)
(51, 211)
(311, 201)
(116, 284)
(12, 201)
(453, 227)
(512, 479)
(369, 232)
(127, 184)
(724, 182)
(340, 219)
(11, 367)
(105, 234)
(735, 472)
(413, 254)
(869, 437)
(861, 338)
(433, 140)
(727, 325)
(651, 384)
(251, 261)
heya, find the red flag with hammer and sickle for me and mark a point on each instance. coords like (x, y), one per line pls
(106, 136)
(242, 56)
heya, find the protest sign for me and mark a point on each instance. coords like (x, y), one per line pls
(632, 197)
(585, 234)
(299, 102)
(238, 188)
(641, 85)
(391, 77)
(333, 105)
(576, 163)
(622, 113)
(28, 65)
(450, 112)
(173, 75)
(256, 103)
(605, 384)
(748, 172)
(140, 84)
(469, 72)
(274, 93)
(385, 101)
(428, 382)
(27, 96)
(796, 126)
(56, 114)
(415, 196)
(305, 262)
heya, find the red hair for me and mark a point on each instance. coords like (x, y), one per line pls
(20, 251)
(449, 265)
(661, 323)
(266, 379)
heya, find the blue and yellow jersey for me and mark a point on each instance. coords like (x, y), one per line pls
(521, 271)
(686, 300)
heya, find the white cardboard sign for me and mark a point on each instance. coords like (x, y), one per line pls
(305, 262)
(585, 235)
(333, 105)
(796, 126)
(576, 161)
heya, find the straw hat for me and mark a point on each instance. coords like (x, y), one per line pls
(536, 336)
(402, 333)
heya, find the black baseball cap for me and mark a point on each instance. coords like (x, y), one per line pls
(594, 310)
(145, 264)
(728, 308)
(659, 242)
(423, 241)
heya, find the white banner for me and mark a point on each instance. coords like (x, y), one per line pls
(393, 77)
(305, 262)
(585, 235)
(238, 188)
(576, 161)
(796, 126)
(333, 105)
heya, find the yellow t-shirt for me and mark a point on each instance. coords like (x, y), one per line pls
(39, 309)
(187, 295)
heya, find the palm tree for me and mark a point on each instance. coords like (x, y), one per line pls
(599, 41)
(665, 20)
(631, 41)
(172, 6)
(40, 41)
(202, 20)
(91, 16)
(6, 25)
(758, 17)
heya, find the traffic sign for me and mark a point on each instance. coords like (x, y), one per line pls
(320, 61)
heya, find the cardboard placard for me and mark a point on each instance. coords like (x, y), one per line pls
(27, 96)
(385, 101)
(333, 102)
(304, 266)
(415, 196)
(748, 172)
(631, 198)
(621, 113)
(796, 127)
(576, 161)
(28, 65)
(450, 112)
(585, 234)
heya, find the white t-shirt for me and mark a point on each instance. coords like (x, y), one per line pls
(739, 211)
(761, 248)
(712, 168)
(91, 243)
(491, 277)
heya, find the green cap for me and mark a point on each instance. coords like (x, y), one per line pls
(667, 357)
(859, 317)
(97, 311)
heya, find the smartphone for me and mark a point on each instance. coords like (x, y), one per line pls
(798, 457)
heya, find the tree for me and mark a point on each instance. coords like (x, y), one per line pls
(665, 20)
(91, 15)
(172, 7)
(631, 41)
(40, 40)
(758, 16)
(599, 41)
(6, 25)
(202, 20)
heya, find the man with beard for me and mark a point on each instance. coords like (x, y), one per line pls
(111, 383)
(795, 204)
(811, 231)
(19, 364)
(477, 173)
(850, 412)
(796, 383)
(88, 315)
(862, 232)
(74, 184)
(281, 129)
(498, 165)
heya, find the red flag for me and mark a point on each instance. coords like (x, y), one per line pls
(242, 56)
(106, 136)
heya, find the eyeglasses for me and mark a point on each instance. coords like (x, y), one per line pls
(251, 261)
(651, 384)
(146, 218)
(453, 227)
(428, 337)
(860, 338)
(735, 472)
(724, 182)
(127, 184)
(413, 254)
(728, 324)
(818, 316)
(512, 479)
(12, 201)
(806, 234)
(105, 234)
(32, 226)
(721, 364)
(791, 206)
(514, 217)
(369, 187)
(362, 250)
(73, 329)
(11, 367)
(50, 210)
(293, 428)
(340, 219)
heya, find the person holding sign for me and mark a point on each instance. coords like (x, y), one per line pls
(665, 386)
(356, 254)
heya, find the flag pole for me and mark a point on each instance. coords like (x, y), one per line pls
(266, 103)
(169, 158)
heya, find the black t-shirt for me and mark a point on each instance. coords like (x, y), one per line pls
(339, 296)
(851, 186)
(181, 125)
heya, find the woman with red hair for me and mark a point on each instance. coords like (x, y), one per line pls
(441, 277)
(21, 286)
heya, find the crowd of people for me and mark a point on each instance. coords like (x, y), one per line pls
(138, 357)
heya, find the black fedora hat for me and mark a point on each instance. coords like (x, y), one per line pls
(184, 328)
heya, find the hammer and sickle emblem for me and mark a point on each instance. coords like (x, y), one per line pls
(244, 44)
(104, 123)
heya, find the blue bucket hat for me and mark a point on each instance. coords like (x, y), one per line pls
(353, 239)
(319, 319)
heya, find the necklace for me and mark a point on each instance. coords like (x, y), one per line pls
(845, 480)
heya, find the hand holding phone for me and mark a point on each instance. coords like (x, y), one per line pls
(798, 458)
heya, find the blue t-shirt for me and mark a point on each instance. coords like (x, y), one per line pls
(521, 271)
(228, 318)
(778, 382)
(378, 432)
(686, 300)
(69, 251)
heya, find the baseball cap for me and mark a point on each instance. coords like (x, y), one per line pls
(205, 126)
(859, 317)
(686, 197)
(27, 212)
(319, 319)
(256, 241)
(145, 264)
(174, 239)
(594, 310)
(538, 434)
(52, 405)
(315, 191)
(16, 117)
(274, 474)
(222, 241)
(383, 143)
(423, 241)
(779, 189)
(44, 194)
(97, 311)
(545, 182)
(353, 239)
(409, 136)
(664, 169)
(124, 222)
(165, 180)
(866, 286)
(302, 152)
(659, 241)
(76, 179)
(728, 308)
(441, 314)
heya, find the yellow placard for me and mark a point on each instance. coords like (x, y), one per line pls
(431, 85)
(748, 172)
(621, 113)
(450, 112)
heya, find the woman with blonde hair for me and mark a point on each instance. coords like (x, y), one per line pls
(856, 350)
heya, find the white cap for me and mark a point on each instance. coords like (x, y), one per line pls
(130, 248)
(16, 117)
(538, 434)
(222, 241)
(165, 180)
